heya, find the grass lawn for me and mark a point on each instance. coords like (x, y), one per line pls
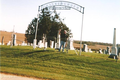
(51, 64)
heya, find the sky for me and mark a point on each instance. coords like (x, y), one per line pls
(100, 18)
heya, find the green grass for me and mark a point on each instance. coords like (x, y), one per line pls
(51, 64)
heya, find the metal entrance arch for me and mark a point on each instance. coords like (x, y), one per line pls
(61, 5)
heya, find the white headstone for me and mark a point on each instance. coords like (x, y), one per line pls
(104, 51)
(100, 51)
(51, 44)
(89, 50)
(28, 44)
(46, 44)
(70, 42)
(58, 40)
(2, 43)
(55, 45)
(9, 43)
(23, 43)
(40, 45)
(34, 43)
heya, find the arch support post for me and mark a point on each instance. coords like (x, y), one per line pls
(35, 40)
(81, 33)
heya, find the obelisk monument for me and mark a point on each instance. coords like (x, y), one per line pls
(114, 48)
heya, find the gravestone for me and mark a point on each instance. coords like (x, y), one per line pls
(34, 43)
(70, 42)
(51, 44)
(89, 50)
(119, 55)
(46, 43)
(3, 40)
(108, 50)
(85, 48)
(55, 45)
(31, 44)
(40, 44)
(14, 39)
(9, 43)
(104, 51)
(28, 44)
(23, 43)
(44, 37)
(114, 48)
(58, 40)
(100, 51)
(118, 49)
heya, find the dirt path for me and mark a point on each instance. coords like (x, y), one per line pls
(14, 77)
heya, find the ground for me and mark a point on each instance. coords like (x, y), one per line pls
(4, 76)
(52, 64)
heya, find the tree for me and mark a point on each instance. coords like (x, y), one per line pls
(48, 23)
(30, 32)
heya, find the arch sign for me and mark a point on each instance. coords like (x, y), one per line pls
(60, 5)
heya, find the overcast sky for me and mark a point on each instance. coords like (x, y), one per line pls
(100, 18)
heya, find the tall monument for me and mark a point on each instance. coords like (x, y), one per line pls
(58, 40)
(114, 48)
(14, 39)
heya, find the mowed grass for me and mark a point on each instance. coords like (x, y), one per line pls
(51, 64)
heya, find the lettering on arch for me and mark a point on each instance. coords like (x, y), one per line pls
(62, 5)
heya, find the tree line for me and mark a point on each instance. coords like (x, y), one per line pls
(93, 43)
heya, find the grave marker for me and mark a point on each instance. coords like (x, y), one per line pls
(85, 48)
(108, 50)
(114, 48)
(100, 51)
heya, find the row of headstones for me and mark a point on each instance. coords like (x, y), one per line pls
(1, 43)
(14, 42)
(44, 44)
(107, 51)
(104, 51)
(86, 49)
(40, 44)
(22, 44)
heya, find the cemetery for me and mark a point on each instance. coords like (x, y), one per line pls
(46, 61)
(70, 45)
(39, 54)
(51, 64)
